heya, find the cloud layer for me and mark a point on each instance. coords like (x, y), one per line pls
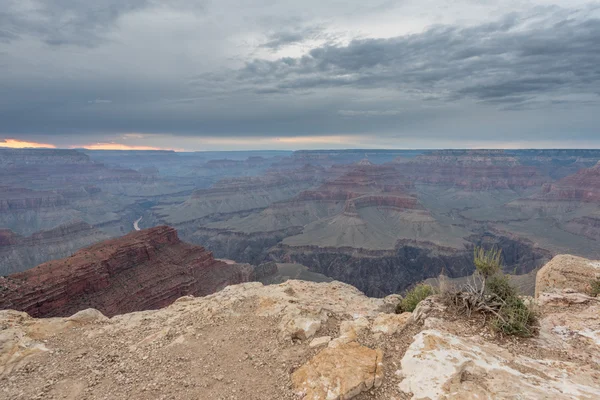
(395, 74)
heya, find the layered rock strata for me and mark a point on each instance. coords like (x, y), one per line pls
(143, 270)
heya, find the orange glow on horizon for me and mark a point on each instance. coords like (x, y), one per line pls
(21, 144)
(116, 146)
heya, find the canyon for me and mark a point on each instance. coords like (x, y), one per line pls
(143, 270)
(380, 220)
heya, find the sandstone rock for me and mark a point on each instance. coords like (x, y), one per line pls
(443, 366)
(320, 341)
(339, 373)
(89, 315)
(567, 272)
(390, 323)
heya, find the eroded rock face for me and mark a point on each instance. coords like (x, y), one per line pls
(143, 270)
(567, 272)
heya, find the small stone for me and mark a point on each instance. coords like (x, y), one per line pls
(320, 341)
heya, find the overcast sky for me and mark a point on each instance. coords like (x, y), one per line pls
(289, 74)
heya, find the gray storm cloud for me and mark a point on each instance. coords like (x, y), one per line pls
(248, 69)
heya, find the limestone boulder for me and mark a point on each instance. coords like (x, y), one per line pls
(339, 373)
(567, 272)
(440, 365)
(89, 315)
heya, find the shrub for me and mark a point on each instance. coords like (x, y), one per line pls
(414, 297)
(487, 262)
(595, 288)
(500, 286)
(515, 318)
(494, 295)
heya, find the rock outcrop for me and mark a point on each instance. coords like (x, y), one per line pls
(144, 270)
(339, 373)
(301, 340)
(567, 272)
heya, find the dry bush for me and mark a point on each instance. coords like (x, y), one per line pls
(490, 293)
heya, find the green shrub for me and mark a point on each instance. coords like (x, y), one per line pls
(515, 318)
(487, 262)
(414, 297)
(494, 295)
(595, 288)
(500, 286)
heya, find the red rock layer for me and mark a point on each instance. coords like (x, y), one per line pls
(583, 186)
(472, 170)
(146, 269)
(367, 179)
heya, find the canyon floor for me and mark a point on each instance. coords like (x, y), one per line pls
(304, 340)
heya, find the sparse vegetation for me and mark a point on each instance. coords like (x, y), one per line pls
(595, 288)
(413, 297)
(487, 262)
(492, 294)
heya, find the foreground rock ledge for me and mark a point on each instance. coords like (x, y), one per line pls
(253, 342)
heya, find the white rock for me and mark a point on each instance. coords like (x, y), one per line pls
(442, 366)
(320, 341)
(88, 316)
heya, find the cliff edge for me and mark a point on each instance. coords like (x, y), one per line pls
(143, 270)
(301, 340)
